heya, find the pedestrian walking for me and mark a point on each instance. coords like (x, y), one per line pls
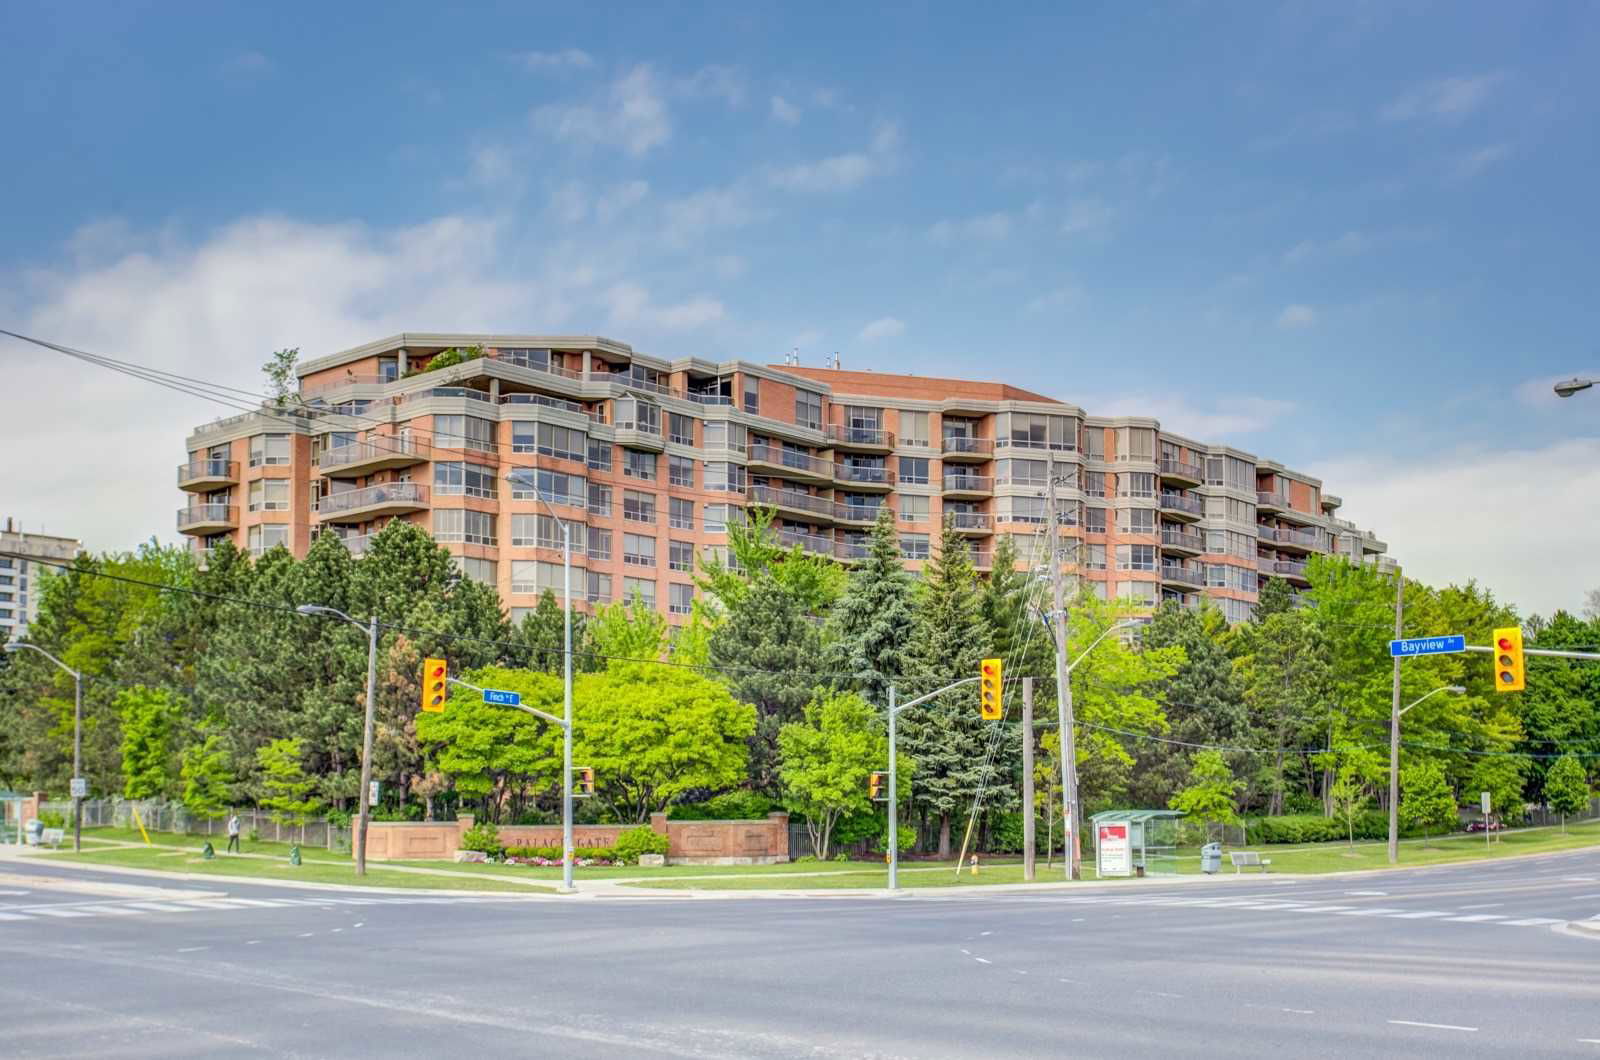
(233, 834)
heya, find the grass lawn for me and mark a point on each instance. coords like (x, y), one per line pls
(180, 853)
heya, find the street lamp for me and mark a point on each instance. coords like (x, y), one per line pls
(77, 740)
(525, 478)
(1394, 767)
(1568, 387)
(366, 730)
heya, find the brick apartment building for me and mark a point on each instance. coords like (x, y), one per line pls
(650, 460)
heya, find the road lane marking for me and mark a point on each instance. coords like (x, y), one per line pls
(983, 960)
(1324, 909)
(252, 942)
(160, 907)
(1475, 918)
(48, 911)
(1530, 921)
(360, 923)
(1159, 993)
(1415, 916)
(111, 910)
(1370, 912)
(1482, 905)
(192, 949)
(1434, 1026)
(13, 916)
(1302, 1011)
(1368, 894)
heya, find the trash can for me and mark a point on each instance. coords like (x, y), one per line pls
(1211, 858)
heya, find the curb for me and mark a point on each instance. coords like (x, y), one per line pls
(1585, 928)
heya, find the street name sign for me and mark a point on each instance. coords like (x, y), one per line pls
(1455, 642)
(501, 698)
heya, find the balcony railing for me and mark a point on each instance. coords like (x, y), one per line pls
(1281, 566)
(709, 399)
(521, 360)
(349, 379)
(1182, 469)
(208, 469)
(967, 483)
(970, 520)
(1181, 502)
(963, 444)
(1285, 536)
(1272, 499)
(1181, 539)
(214, 515)
(863, 474)
(386, 495)
(851, 550)
(793, 500)
(395, 451)
(815, 543)
(864, 437)
(857, 513)
(1171, 572)
(778, 456)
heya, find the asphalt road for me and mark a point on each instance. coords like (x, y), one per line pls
(1469, 960)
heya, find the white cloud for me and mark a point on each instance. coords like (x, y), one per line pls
(1472, 163)
(784, 111)
(631, 114)
(712, 82)
(565, 59)
(1216, 421)
(842, 172)
(620, 199)
(492, 165)
(1449, 99)
(1533, 545)
(569, 202)
(1346, 245)
(630, 305)
(729, 266)
(883, 328)
(688, 220)
(1297, 316)
(987, 227)
(1086, 215)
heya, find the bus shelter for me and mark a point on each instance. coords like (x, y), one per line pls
(13, 805)
(1136, 842)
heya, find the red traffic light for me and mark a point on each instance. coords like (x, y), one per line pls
(1504, 643)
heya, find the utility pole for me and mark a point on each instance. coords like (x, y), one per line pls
(366, 747)
(1394, 724)
(1069, 743)
(894, 804)
(1027, 779)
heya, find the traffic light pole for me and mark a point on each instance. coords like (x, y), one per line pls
(894, 823)
(366, 745)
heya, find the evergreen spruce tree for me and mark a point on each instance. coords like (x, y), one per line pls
(945, 737)
(870, 628)
(1276, 597)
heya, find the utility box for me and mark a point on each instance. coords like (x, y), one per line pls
(1211, 858)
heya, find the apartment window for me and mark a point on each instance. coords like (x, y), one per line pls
(638, 550)
(1022, 509)
(599, 543)
(547, 532)
(1094, 443)
(680, 428)
(388, 369)
(914, 508)
(640, 589)
(638, 507)
(536, 577)
(639, 464)
(808, 409)
(460, 524)
(914, 470)
(717, 518)
(915, 546)
(524, 529)
(476, 569)
(1094, 483)
(1094, 520)
(680, 555)
(463, 432)
(914, 429)
(555, 487)
(1033, 430)
(1094, 556)
(269, 449)
(863, 422)
(269, 495)
(1136, 557)
(636, 415)
(720, 434)
(1139, 592)
(268, 535)
(1021, 472)
(680, 598)
(539, 360)
(959, 428)
(599, 499)
(599, 454)
(549, 439)
(752, 395)
(724, 477)
(680, 471)
(1136, 443)
(1136, 521)
(597, 587)
(1136, 484)
(680, 513)
(458, 478)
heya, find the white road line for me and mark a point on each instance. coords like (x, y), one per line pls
(1159, 993)
(1590, 1041)
(1580, 879)
(48, 911)
(1475, 918)
(252, 942)
(964, 953)
(1370, 912)
(981, 933)
(983, 960)
(111, 910)
(160, 907)
(192, 949)
(1530, 921)
(1302, 1011)
(1324, 909)
(1368, 894)
(360, 923)
(306, 934)
(1434, 1026)
(1482, 905)
(263, 903)
(13, 893)
(1416, 916)
(14, 916)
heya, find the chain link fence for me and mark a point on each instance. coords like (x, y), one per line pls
(173, 817)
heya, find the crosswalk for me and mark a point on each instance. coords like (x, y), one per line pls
(1311, 908)
(132, 908)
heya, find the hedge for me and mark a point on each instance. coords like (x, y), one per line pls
(1314, 828)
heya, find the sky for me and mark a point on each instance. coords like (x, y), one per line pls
(1355, 238)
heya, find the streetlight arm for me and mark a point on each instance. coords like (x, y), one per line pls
(1109, 630)
(1457, 689)
(20, 645)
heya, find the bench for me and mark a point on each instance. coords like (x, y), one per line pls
(1242, 858)
(52, 837)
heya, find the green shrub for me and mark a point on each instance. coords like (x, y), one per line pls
(732, 806)
(804, 857)
(52, 818)
(636, 841)
(1314, 828)
(484, 838)
(841, 856)
(908, 839)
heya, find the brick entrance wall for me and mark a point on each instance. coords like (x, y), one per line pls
(758, 842)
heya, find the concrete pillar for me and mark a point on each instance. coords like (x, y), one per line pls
(587, 364)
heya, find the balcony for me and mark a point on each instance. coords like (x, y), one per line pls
(1295, 515)
(1181, 505)
(389, 498)
(816, 544)
(787, 463)
(971, 522)
(794, 501)
(966, 485)
(850, 551)
(1289, 540)
(208, 518)
(208, 474)
(962, 447)
(1176, 575)
(374, 454)
(1182, 541)
(1182, 471)
(856, 513)
(1271, 500)
(864, 477)
(870, 439)
(1282, 568)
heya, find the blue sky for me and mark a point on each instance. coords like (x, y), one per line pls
(1356, 237)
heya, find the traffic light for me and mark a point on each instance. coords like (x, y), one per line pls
(585, 785)
(874, 785)
(989, 690)
(434, 674)
(1509, 668)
